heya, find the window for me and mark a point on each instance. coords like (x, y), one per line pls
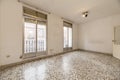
(29, 36)
(67, 36)
(34, 32)
(41, 36)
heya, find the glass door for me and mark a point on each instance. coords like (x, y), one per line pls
(29, 37)
(41, 37)
(67, 38)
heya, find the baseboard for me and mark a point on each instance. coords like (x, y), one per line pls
(95, 52)
(30, 60)
(39, 58)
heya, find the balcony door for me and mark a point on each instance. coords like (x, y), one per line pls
(34, 33)
(34, 37)
(67, 29)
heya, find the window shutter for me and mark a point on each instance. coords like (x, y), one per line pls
(67, 24)
(29, 11)
(40, 15)
(30, 20)
(34, 13)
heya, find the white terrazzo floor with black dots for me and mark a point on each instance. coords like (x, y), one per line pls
(70, 66)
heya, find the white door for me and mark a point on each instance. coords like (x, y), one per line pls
(116, 42)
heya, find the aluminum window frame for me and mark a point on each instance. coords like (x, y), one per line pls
(34, 54)
(67, 48)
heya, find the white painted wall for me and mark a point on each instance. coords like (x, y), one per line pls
(75, 36)
(55, 34)
(11, 31)
(0, 33)
(97, 35)
(11, 23)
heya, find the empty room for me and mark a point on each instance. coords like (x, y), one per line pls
(59, 39)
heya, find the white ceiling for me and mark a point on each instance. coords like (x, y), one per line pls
(72, 9)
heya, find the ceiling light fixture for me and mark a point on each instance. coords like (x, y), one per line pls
(85, 14)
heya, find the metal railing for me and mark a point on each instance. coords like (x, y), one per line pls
(30, 46)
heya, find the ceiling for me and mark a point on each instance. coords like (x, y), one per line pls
(72, 9)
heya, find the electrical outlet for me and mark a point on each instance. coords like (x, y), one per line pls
(8, 56)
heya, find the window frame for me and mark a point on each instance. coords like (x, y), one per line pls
(67, 48)
(36, 53)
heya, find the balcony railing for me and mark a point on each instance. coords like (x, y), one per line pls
(30, 46)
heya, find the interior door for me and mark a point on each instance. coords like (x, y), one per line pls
(116, 42)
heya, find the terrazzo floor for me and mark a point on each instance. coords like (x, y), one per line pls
(70, 66)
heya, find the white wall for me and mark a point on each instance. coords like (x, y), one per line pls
(55, 34)
(0, 32)
(97, 35)
(75, 36)
(11, 33)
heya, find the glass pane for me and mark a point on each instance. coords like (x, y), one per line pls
(41, 37)
(29, 37)
(65, 37)
(70, 37)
